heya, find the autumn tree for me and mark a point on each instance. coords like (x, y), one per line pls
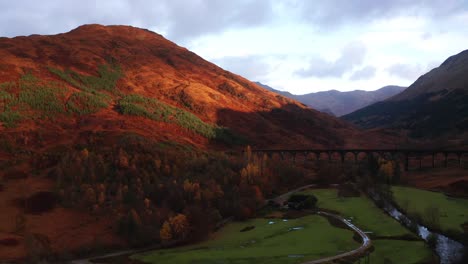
(180, 226)
(176, 227)
(166, 232)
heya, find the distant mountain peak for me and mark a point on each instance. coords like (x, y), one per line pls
(339, 103)
(435, 105)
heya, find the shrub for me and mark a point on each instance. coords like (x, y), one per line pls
(302, 201)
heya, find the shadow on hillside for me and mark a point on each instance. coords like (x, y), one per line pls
(287, 127)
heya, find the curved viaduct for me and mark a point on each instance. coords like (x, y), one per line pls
(405, 154)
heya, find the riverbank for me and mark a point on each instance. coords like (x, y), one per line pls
(387, 234)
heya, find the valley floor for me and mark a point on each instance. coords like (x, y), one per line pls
(270, 241)
(392, 242)
(306, 238)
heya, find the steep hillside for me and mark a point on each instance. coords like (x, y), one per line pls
(342, 103)
(120, 68)
(435, 106)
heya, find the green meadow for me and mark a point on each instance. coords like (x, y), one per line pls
(433, 208)
(271, 241)
(385, 233)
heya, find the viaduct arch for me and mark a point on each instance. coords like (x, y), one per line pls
(405, 154)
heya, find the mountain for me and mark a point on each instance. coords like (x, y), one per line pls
(141, 63)
(341, 103)
(110, 133)
(434, 106)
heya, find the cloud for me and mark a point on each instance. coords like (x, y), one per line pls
(250, 67)
(406, 71)
(351, 55)
(194, 18)
(365, 73)
(338, 12)
(178, 19)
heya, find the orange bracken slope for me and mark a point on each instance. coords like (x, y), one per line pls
(157, 68)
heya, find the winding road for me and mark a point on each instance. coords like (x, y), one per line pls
(360, 251)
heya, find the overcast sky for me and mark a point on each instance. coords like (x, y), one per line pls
(296, 45)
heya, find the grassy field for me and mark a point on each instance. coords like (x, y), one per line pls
(268, 242)
(363, 211)
(273, 243)
(433, 208)
(369, 217)
(399, 251)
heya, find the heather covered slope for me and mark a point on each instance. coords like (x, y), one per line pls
(435, 106)
(123, 69)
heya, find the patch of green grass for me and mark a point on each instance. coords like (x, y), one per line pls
(47, 98)
(7, 85)
(107, 78)
(83, 103)
(6, 100)
(365, 214)
(29, 93)
(451, 212)
(10, 118)
(266, 243)
(67, 76)
(153, 109)
(28, 78)
(399, 251)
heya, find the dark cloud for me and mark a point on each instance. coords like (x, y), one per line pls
(338, 12)
(351, 56)
(251, 67)
(194, 18)
(365, 73)
(180, 19)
